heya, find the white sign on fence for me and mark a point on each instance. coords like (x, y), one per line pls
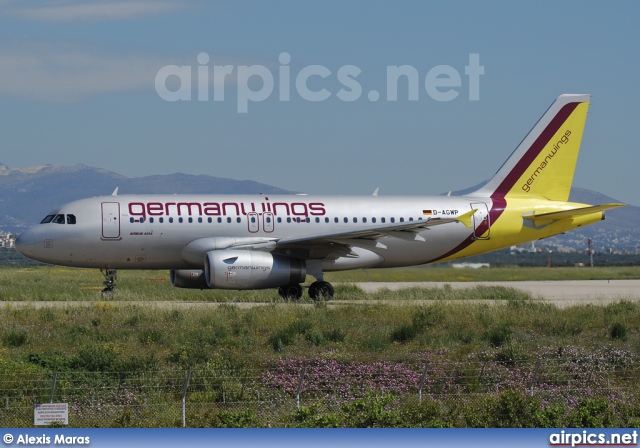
(47, 413)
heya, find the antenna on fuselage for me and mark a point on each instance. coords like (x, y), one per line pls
(115, 192)
(375, 193)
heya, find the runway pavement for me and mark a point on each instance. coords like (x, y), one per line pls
(561, 293)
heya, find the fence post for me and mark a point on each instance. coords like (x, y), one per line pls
(304, 370)
(424, 376)
(53, 387)
(184, 398)
(535, 374)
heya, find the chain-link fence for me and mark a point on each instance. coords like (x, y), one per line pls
(321, 393)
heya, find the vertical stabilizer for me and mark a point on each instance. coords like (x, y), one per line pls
(543, 164)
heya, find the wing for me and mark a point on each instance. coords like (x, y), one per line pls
(331, 245)
(338, 243)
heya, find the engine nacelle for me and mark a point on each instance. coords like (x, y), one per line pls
(188, 278)
(249, 269)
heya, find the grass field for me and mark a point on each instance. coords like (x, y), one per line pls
(592, 353)
(63, 284)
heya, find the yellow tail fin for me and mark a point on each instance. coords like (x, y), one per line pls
(542, 166)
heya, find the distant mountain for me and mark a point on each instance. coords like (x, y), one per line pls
(27, 194)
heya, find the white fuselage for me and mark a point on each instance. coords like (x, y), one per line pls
(152, 231)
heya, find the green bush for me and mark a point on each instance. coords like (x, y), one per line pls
(310, 417)
(618, 331)
(372, 411)
(497, 336)
(404, 334)
(15, 338)
(593, 413)
(242, 419)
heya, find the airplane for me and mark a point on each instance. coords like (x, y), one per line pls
(246, 242)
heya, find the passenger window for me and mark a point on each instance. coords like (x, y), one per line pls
(161, 220)
(47, 219)
(238, 220)
(383, 220)
(364, 219)
(228, 220)
(393, 219)
(373, 220)
(170, 219)
(151, 220)
(401, 219)
(71, 219)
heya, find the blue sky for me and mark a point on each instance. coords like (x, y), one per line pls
(78, 85)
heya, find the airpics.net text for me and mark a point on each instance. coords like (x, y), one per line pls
(256, 83)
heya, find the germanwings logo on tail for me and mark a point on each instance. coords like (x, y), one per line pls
(564, 140)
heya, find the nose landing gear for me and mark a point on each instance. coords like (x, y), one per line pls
(109, 282)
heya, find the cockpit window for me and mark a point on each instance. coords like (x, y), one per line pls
(58, 219)
(47, 219)
(71, 219)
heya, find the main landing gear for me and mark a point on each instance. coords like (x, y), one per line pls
(320, 290)
(109, 282)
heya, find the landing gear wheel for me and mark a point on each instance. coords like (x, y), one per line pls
(290, 292)
(109, 282)
(321, 291)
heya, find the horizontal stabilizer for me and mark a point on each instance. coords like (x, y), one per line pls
(568, 214)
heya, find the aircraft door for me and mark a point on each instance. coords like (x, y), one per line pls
(481, 221)
(267, 222)
(254, 224)
(111, 220)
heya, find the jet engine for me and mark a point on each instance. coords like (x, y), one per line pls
(188, 278)
(251, 269)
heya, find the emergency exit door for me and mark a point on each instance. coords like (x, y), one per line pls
(481, 223)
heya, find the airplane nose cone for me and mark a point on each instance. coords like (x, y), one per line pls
(25, 243)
